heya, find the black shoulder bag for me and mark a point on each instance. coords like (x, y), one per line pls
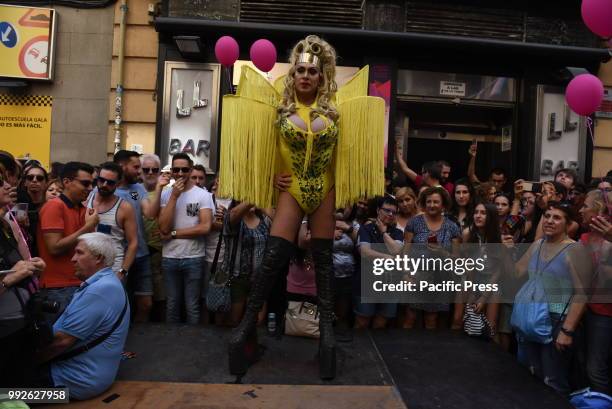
(218, 295)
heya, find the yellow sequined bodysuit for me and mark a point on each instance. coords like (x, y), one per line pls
(307, 156)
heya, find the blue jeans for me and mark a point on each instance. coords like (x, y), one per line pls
(183, 280)
(62, 295)
(546, 362)
(599, 341)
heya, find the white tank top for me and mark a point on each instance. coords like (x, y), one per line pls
(108, 225)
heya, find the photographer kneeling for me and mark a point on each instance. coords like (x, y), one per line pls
(89, 336)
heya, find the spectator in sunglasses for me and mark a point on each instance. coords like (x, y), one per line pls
(33, 192)
(116, 217)
(151, 171)
(184, 221)
(62, 221)
(140, 281)
(34, 186)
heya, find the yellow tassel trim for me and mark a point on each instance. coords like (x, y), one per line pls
(279, 85)
(248, 150)
(253, 85)
(355, 87)
(360, 151)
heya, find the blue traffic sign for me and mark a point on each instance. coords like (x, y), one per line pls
(8, 34)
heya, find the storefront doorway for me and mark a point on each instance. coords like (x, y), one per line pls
(439, 115)
(444, 131)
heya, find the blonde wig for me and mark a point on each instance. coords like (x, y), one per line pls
(327, 84)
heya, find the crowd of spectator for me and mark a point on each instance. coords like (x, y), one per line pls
(75, 238)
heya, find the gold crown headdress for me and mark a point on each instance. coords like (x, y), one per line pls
(308, 58)
(308, 52)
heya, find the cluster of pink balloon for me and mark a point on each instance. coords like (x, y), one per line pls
(262, 53)
(585, 92)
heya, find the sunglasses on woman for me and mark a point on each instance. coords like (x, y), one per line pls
(39, 178)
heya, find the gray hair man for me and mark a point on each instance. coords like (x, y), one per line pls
(151, 168)
(89, 336)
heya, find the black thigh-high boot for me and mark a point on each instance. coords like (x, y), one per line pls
(324, 268)
(243, 341)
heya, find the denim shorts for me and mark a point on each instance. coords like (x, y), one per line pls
(386, 310)
(140, 278)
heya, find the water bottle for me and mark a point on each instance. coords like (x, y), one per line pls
(272, 323)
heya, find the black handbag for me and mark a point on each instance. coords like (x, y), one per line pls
(218, 294)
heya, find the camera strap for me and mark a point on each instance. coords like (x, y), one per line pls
(95, 342)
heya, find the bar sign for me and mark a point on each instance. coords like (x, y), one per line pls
(452, 89)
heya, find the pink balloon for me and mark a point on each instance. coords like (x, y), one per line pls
(226, 51)
(263, 55)
(597, 15)
(584, 94)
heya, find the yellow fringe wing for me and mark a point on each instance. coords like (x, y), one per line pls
(249, 141)
(359, 163)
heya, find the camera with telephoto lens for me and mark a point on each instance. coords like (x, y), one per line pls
(41, 304)
(40, 329)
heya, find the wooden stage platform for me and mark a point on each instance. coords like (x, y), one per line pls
(186, 367)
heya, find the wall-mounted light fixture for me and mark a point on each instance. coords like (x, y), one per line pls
(190, 47)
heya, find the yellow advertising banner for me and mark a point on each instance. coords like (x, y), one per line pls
(25, 126)
(26, 42)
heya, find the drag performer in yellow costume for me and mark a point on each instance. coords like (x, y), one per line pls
(331, 142)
